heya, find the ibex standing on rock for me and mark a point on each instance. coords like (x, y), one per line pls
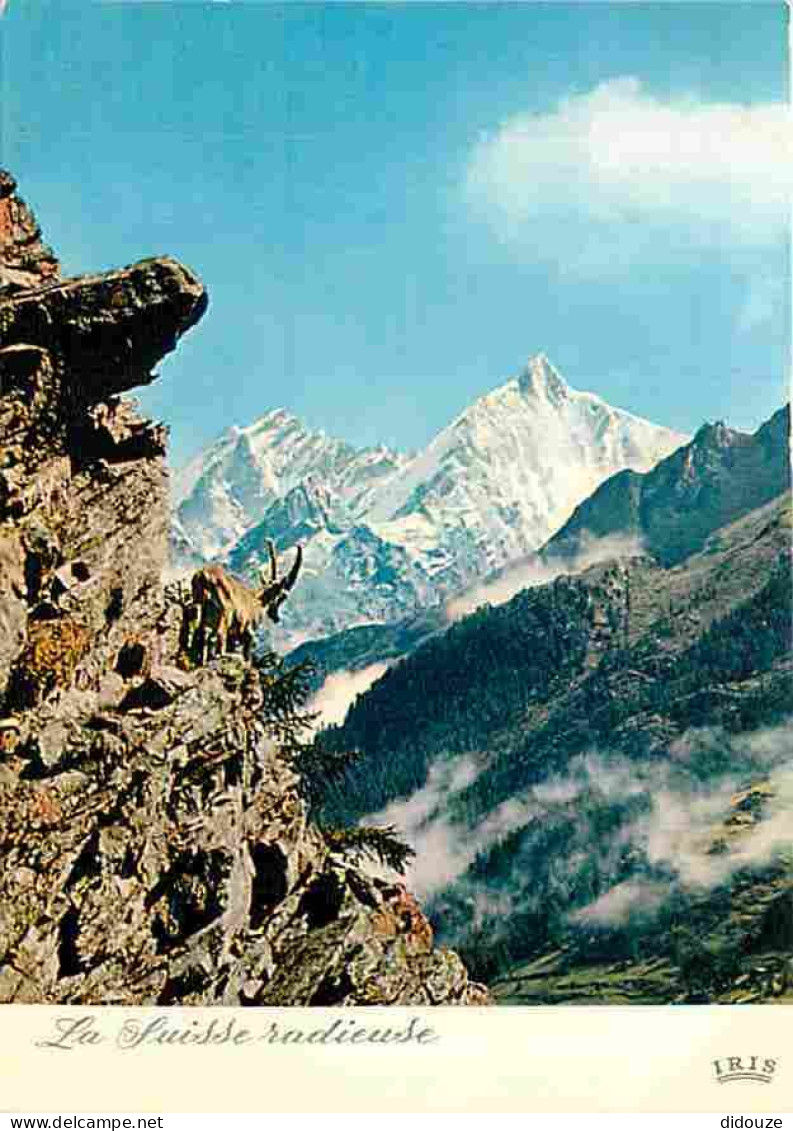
(224, 612)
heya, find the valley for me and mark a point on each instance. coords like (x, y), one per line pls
(560, 761)
(565, 684)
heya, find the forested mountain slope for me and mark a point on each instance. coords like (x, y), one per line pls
(530, 744)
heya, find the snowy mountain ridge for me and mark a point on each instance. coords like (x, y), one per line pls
(385, 534)
(226, 489)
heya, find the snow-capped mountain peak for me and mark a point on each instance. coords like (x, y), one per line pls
(384, 533)
(542, 380)
(228, 489)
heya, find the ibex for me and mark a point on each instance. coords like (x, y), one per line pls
(224, 612)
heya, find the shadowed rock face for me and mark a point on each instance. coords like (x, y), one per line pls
(109, 330)
(155, 844)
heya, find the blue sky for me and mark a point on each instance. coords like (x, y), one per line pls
(394, 205)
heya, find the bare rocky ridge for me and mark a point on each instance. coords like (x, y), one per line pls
(672, 509)
(155, 845)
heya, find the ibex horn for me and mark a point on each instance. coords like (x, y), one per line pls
(273, 561)
(295, 570)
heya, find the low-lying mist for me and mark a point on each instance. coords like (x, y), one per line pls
(339, 692)
(536, 571)
(610, 838)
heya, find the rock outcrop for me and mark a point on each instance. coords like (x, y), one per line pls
(24, 260)
(155, 843)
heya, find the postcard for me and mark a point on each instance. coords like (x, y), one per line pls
(395, 557)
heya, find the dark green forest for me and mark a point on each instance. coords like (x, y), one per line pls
(472, 690)
(456, 690)
(523, 688)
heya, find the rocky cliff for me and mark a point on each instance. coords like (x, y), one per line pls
(155, 844)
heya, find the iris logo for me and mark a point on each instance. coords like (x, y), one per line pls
(757, 1069)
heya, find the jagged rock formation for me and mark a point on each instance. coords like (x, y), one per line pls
(25, 260)
(155, 845)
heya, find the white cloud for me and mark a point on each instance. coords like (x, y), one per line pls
(616, 174)
(678, 831)
(674, 834)
(527, 575)
(764, 303)
(339, 692)
(443, 850)
(616, 906)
